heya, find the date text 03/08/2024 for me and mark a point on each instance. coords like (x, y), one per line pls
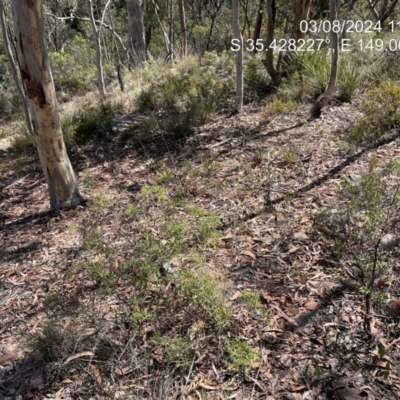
(316, 44)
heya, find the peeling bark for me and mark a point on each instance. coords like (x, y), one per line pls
(14, 71)
(41, 97)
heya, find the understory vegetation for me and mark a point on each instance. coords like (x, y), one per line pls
(218, 255)
(151, 253)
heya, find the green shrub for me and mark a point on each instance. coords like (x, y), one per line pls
(203, 291)
(381, 115)
(256, 79)
(360, 232)
(241, 356)
(73, 68)
(223, 61)
(188, 98)
(385, 67)
(92, 123)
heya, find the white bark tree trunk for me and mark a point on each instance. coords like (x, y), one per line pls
(323, 100)
(237, 34)
(99, 63)
(136, 34)
(14, 71)
(39, 90)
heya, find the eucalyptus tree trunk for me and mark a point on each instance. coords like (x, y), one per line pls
(323, 100)
(136, 33)
(99, 63)
(269, 58)
(38, 84)
(386, 9)
(237, 34)
(346, 18)
(301, 11)
(259, 20)
(182, 16)
(14, 71)
(171, 24)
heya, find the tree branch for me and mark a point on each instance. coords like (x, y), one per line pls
(372, 7)
(102, 23)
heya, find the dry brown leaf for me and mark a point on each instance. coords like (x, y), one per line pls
(300, 236)
(249, 253)
(235, 295)
(297, 388)
(286, 360)
(122, 371)
(58, 394)
(96, 372)
(78, 355)
(210, 385)
(311, 305)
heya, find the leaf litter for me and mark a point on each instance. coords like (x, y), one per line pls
(305, 321)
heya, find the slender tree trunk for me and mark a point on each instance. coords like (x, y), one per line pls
(14, 71)
(171, 24)
(148, 35)
(120, 77)
(136, 34)
(237, 34)
(385, 12)
(182, 16)
(217, 4)
(39, 90)
(210, 32)
(110, 28)
(388, 10)
(349, 6)
(323, 100)
(99, 63)
(257, 28)
(301, 10)
(269, 58)
(168, 48)
(246, 18)
(283, 57)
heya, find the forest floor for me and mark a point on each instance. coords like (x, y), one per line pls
(70, 329)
